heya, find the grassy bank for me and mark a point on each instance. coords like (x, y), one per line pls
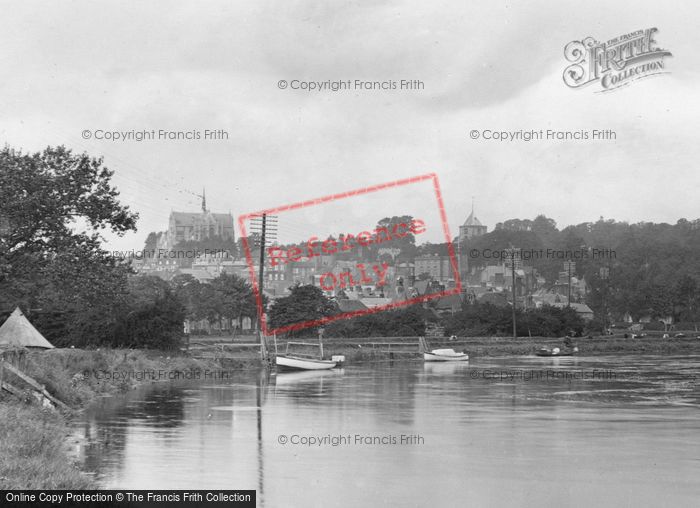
(33, 439)
(33, 447)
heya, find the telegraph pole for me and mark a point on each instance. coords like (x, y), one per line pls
(261, 271)
(266, 226)
(604, 275)
(512, 274)
(568, 266)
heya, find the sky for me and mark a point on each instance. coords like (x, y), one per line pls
(484, 65)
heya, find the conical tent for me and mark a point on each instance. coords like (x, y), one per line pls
(18, 331)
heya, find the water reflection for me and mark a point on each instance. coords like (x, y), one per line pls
(487, 439)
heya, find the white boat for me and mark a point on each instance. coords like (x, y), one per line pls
(300, 363)
(305, 361)
(440, 355)
(445, 355)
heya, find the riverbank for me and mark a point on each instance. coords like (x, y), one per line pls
(380, 348)
(33, 438)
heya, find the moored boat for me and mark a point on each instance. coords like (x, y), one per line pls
(301, 363)
(440, 355)
(444, 355)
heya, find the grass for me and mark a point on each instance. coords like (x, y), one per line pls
(70, 374)
(33, 447)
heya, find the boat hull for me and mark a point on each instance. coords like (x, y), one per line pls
(442, 357)
(297, 363)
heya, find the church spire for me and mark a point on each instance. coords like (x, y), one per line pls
(204, 200)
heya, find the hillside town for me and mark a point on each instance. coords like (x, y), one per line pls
(188, 248)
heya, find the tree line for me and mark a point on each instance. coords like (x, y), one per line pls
(651, 269)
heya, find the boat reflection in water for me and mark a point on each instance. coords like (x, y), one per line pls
(444, 368)
(305, 376)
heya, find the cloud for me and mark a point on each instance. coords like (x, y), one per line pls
(485, 65)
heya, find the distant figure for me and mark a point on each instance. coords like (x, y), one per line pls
(453, 337)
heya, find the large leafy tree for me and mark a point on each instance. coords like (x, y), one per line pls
(235, 297)
(54, 207)
(153, 316)
(228, 297)
(305, 303)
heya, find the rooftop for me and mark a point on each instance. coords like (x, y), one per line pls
(472, 220)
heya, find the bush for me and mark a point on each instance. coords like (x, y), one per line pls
(487, 319)
(403, 322)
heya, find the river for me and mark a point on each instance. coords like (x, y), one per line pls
(620, 430)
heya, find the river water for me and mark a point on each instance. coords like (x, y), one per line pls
(609, 431)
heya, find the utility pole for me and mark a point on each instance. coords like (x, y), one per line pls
(261, 271)
(569, 266)
(266, 226)
(605, 275)
(512, 274)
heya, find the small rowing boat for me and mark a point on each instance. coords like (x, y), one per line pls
(440, 355)
(445, 355)
(301, 363)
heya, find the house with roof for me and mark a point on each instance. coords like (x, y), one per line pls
(583, 310)
(350, 305)
(448, 305)
(437, 267)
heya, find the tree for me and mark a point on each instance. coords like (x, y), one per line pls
(305, 303)
(152, 241)
(235, 298)
(404, 322)
(189, 291)
(407, 243)
(153, 317)
(54, 207)
(47, 198)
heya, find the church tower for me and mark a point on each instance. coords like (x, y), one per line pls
(472, 227)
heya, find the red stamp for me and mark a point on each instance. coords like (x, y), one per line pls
(365, 269)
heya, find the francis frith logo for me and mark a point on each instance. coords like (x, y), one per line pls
(615, 63)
